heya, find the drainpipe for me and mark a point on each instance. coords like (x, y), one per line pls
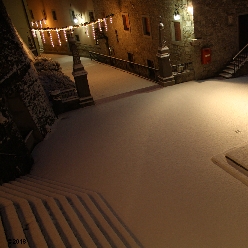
(31, 35)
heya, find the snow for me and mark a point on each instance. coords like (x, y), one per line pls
(51, 75)
(104, 81)
(149, 155)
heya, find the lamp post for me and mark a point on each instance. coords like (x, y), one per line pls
(165, 77)
(80, 76)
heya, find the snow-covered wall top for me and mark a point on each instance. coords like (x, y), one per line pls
(9, 45)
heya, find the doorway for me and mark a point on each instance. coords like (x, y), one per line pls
(243, 31)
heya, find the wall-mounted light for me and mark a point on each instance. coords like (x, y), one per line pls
(186, 7)
(176, 15)
(75, 20)
(76, 17)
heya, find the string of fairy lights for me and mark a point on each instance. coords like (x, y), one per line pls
(38, 27)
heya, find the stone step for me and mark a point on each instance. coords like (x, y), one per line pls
(11, 223)
(100, 221)
(229, 70)
(99, 208)
(71, 230)
(225, 75)
(30, 226)
(42, 214)
(231, 66)
(94, 231)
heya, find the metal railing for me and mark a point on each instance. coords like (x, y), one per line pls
(138, 69)
(240, 58)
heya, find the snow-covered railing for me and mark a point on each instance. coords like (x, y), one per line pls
(64, 100)
(68, 94)
(138, 69)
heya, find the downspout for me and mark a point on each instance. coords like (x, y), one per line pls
(31, 35)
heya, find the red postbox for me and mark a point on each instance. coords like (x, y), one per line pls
(206, 55)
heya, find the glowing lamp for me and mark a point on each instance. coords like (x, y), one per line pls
(176, 15)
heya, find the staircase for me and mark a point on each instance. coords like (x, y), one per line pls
(37, 212)
(237, 62)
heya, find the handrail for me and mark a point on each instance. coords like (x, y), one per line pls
(138, 69)
(240, 52)
(130, 62)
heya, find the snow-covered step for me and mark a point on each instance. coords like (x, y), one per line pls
(104, 226)
(3, 240)
(229, 70)
(92, 227)
(71, 230)
(76, 227)
(231, 66)
(12, 225)
(99, 208)
(48, 228)
(225, 75)
(30, 226)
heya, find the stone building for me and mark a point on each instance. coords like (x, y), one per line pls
(215, 30)
(56, 20)
(25, 113)
(18, 12)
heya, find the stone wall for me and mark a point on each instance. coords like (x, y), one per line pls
(43, 9)
(213, 25)
(144, 47)
(216, 27)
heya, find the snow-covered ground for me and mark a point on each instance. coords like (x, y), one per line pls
(104, 81)
(149, 155)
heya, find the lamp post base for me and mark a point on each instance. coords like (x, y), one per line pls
(168, 81)
(86, 101)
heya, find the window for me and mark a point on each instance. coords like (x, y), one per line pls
(126, 23)
(54, 15)
(77, 37)
(31, 14)
(150, 63)
(146, 26)
(72, 15)
(177, 30)
(151, 72)
(130, 57)
(44, 14)
(91, 16)
(176, 33)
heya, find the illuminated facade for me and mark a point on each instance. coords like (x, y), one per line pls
(56, 20)
(202, 35)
